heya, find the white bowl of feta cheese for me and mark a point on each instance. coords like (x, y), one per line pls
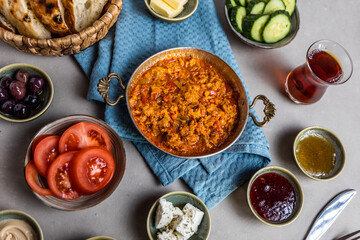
(178, 216)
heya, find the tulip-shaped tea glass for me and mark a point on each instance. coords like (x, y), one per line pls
(327, 64)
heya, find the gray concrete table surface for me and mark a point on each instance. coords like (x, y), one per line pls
(123, 215)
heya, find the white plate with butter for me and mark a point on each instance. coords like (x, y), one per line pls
(172, 10)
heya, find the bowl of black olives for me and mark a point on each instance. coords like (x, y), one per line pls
(26, 92)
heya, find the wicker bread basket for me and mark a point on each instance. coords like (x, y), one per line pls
(70, 44)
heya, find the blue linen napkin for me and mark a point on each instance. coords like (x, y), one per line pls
(137, 36)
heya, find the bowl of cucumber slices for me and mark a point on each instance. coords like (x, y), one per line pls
(263, 23)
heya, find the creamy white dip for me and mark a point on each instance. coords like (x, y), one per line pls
(14, 229)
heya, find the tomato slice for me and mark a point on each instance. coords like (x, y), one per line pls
(91, 169)
(58, 177)
(37, 140)
(45, 153)
(31, 174)
(84, 134)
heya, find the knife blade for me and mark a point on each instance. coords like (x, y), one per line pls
(329, 214)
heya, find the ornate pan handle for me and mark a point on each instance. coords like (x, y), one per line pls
(269, 110)
(104, 87)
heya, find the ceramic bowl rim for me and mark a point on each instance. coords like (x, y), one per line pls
(25, 216)
(155, 204)
(101, 238)
(171, 20)
(295, 181)
(46, 78)
(340, 147)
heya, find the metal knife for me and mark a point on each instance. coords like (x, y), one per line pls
(330, 212)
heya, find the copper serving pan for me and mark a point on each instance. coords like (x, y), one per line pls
(221, 66)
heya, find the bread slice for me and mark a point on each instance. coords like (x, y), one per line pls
(4, 23)
(51, 14)
(21, 16)
(80, 14)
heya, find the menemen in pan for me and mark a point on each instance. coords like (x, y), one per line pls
(184, 106)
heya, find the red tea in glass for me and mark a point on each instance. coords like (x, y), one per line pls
(327, 64)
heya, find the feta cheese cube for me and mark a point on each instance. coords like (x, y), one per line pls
(177, 224)
(166, 236)
(195, 215)
(177, 212)
(183, 226)
(188, 224)
(170, 235)
(179, 236)
(164, 214)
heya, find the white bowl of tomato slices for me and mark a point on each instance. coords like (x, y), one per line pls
(75, 162)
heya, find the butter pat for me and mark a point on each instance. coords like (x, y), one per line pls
(176, 4)
(164, 9)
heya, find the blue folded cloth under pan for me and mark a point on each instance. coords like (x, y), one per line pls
(136, 36)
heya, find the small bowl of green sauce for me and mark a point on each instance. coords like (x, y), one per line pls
(319, 153)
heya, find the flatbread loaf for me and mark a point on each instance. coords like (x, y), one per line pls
(80, 14)
(4, 23)
(22, 17)
(51, 14)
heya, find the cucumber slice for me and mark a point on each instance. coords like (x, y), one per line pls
(274, 5)
(264, 1)
(255, 7)
(253, 26)
(277, 27)
(230, 4)
(241, 3)
(237, 15)
(290, 6)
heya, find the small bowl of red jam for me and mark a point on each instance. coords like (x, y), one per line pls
(319, 153)
(275, 196)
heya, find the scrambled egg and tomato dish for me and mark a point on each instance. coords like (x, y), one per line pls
(184, 106)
